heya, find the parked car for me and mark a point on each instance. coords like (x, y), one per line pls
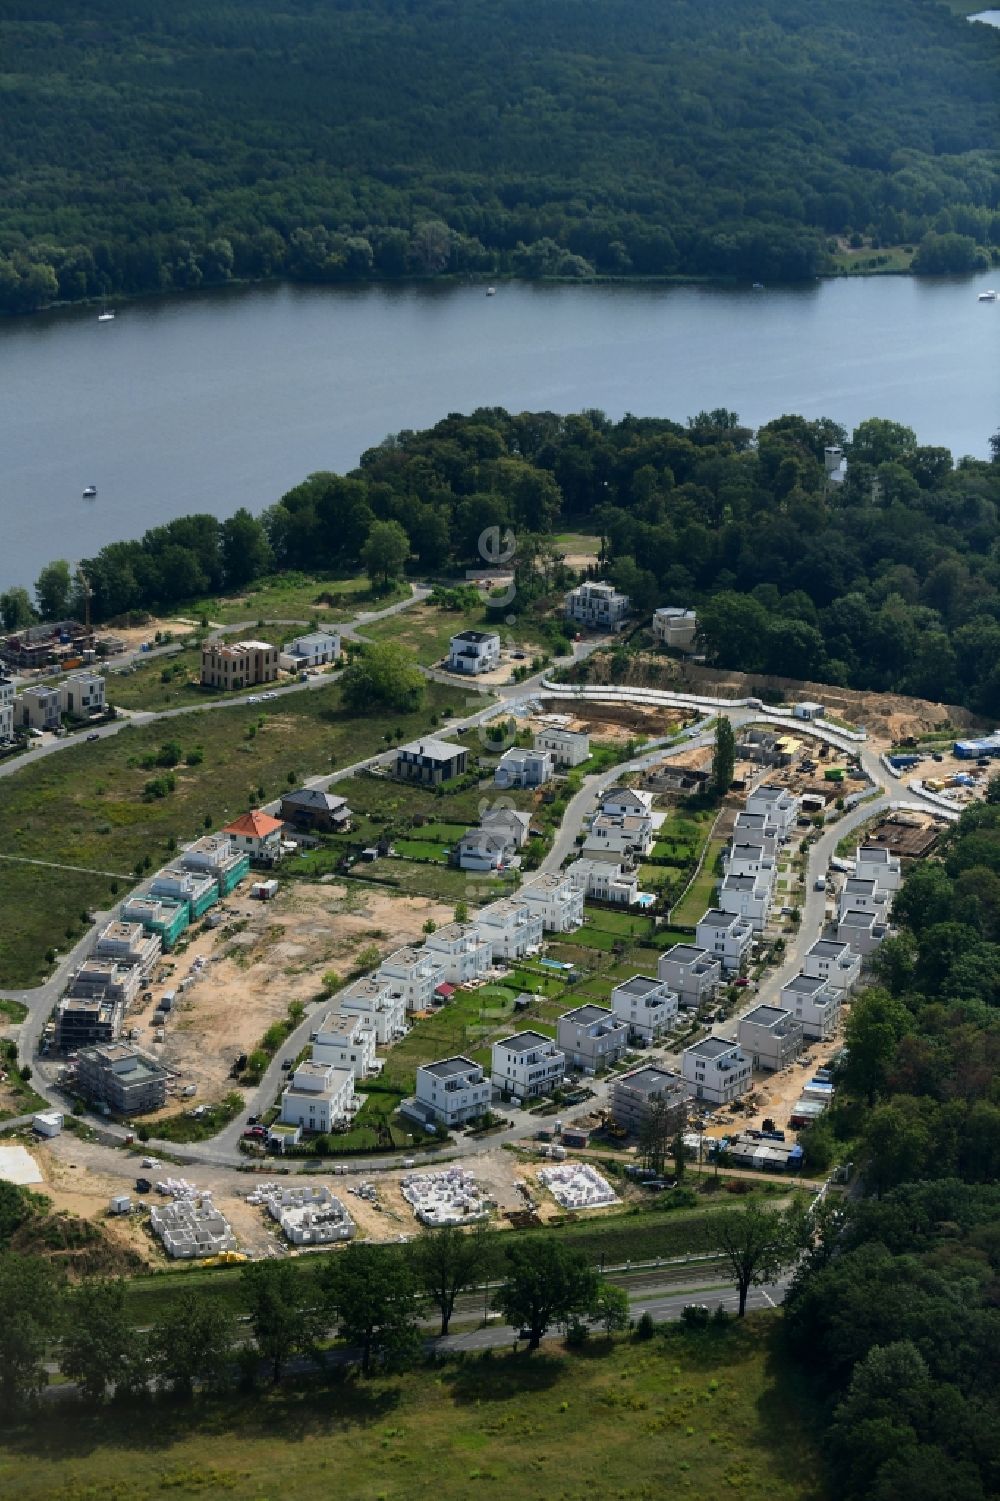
(94, 736)
(819, 884)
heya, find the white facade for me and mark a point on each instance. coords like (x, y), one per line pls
(675, 627)
(875, 863)
(612, 834)
(692, 973)
(510, 927)
(182, 885)
(747, 857)
(778, 806)
(372, 998)
(474, 652)
(6, 707)
(566, 747)
(481, 849)
(556, 900)
(592, 1037)
(526, 1065)
(462, 952)
(627, 802)
(814, 1003)
(599, 606)
(82, 694)
(858, 895)
(128, 943)
(453, 1090)
(716, 1070)
(605, 879)
(648, 1007)
(39, 709)
(836, 964)
(746, 896)
(346, 1042)
(518, 767)
(314, 650)
(864, 931)
(771, 1036)
(726, 936)
(412, 975)
(319, 1097)
(509, 824)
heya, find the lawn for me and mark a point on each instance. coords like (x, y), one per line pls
(470, 1019)
(294, 596)
(715, 1413)
(701, 892)
(86, 806)
(427, 629)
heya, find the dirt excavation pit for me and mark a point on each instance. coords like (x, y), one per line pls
(266, 955)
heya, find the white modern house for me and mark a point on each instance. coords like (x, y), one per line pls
(778, 806)
(519, 767)
(6, 707)
(675, 627)
(859, 895)
(129, 944)
(771, 1036)
(316, 649)
(453, 1090)
(873, 862)
(836, 964)
(748, 897)
(606, 879)
(82, 694)
(319, 1097)
(461, 950)
(510, 927)
(474, 652)
(39, 708)
(726, 936)
(482, 849)
(346, 1042)
(555, 899)
(692, 973)
(591, 1037)
(412, 975)
(597, 606)
(627, 802)
(716, 1070)
(566, 747)
(635, 1095)
(372, 999)
(814, 1003)
(526, 1065)
(864, 931)
(647, 1005)
(746, 857)
(511, 824)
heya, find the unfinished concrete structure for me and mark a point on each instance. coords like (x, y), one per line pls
(308, 1216)
(452, 1197)
(577, 1185)
(192, 1227)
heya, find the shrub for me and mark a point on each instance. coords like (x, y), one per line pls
(646, 1326)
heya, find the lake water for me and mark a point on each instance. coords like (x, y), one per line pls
(215, 401)
(988, 17)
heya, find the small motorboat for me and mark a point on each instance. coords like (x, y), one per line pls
(989, 296)
(106, 315)
(90, 492)
(491, 291)
(758, 286)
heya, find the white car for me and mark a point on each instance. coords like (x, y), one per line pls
(269, 695)
(254, 698)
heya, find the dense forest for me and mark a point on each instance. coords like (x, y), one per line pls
(145, 148)
(896, 1317)
(890, 580)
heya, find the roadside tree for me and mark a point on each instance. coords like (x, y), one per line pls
(546, 1284)
(29, 1314)
(371, 1292)
(446, 1262)
(193, 1344)
(98, 1341)
(282, 1312)
(758, 1244)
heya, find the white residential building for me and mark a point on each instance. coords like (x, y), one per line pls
(555, 899)
(128, 944)
(482, 849)
(519, 767)
(864, 931)
(412, 975)
(858, 895)
(592, 1037)
(474, 652)
(598, 606)
(510, 824)
(6, 707)
(647, 1005)
(873, 862)
(771, 1036)
(106, 979)
(747, 857)
(716, 1070)
(453, 1090)
(746, 896)
(692, 973)
(814, 1003)
(371, 998)
(778, 806)
(836, 964)
(346, 1042)
(605, 879)
(318, 1098)
(316, 649)
(726, 936)
(82, 694)
(611, 834)
(526, 1065)
(753, 828)
(675, 627)
(462, 951)
(39, 709)
(627, 802)
(566, 747)
(510, 927)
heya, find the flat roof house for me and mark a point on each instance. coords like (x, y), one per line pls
(752, 858)
(616, 834)
(108, 978)
(80, 1022)
(82, 694)
(121, 1078)
(519, 767)
(771, 1036)
(316, 649)
(238, 664)
(257, 835)
(873, 862)
(566, 747)
(675, 627)
(606, 878)
(216, 855)
(474, 652)
(413, 975)
(863, 896)
(431, 761)
(779, 807)
(634, 1095)
(716, 1070)
(864, 931)
(835, 963)
(814, 1003)
(318, 1098)
(647, 1006)
(453, 1090)
(374, 998)
(38, 708)
(346, 1042)
(461, 950)
(128, 943)
(311, 810)
(6, 707)
(691, 972)
(598, 606)
(510, 927)
(592, 1037)
(555, 898)
(748, 897)
(163, 915)
(199, 891)
(726, 936)
(527, 1065)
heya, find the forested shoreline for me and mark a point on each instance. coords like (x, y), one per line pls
(166, 149)
(887, 581)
